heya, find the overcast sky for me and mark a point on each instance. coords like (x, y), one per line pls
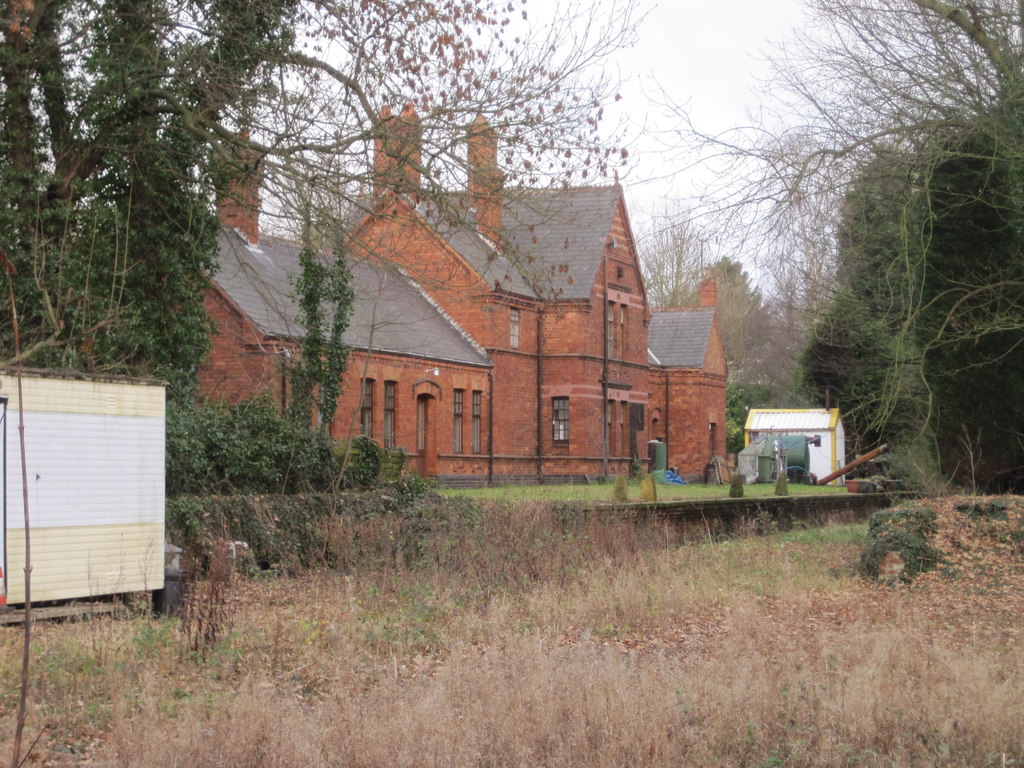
(707, 57)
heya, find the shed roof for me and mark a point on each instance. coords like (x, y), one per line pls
(792, 419)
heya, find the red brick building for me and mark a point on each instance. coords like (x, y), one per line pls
(687, 382)
(519, 350)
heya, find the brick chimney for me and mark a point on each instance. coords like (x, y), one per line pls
(484, 179)
(239, 205)
(708, 293)
(397, 155)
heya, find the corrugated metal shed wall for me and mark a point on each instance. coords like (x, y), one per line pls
(759, 420)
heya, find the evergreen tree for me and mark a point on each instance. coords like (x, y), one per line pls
(921, 337)
(106, 174)
(970, 322)
(859, 352)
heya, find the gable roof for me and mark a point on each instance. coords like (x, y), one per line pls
(556, 237)
(552, 239)
(480, 253)
(678, 338)
(389, 314)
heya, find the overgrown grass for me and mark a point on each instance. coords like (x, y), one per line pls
(603, 491)
(521, 638)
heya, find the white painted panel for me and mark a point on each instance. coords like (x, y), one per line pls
(94, 451)
(86, 469)
(821, 458)
(3, 505)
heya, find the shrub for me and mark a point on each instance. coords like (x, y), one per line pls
(985, 509)
(636, 468)
(905, 530)
(247, 447)
(782, 486)
(289, 532)
(393, 464)
(363, 461)
(282, 531)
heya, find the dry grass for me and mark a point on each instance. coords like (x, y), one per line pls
(521, 642)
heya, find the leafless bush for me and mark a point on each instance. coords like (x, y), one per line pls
(208, 604)
(509, 544)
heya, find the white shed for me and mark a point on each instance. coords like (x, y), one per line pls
(821, 426)
(94, 449)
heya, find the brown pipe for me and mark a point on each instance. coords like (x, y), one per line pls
(540, 387)
(490, 426)
(854, 464)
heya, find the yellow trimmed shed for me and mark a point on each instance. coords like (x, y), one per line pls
(822, 427)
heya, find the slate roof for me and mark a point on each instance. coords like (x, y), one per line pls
(485, 259)
(678, 338)
(552, 242)
(552, 239)
(556, 237)
(390, 313)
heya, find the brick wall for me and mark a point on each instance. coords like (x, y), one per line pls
(686, 403)
(398, 235)
(571, 335)
(415, 378)
(241, 362)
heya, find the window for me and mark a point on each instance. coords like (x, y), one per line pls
(624, 334)
(560, 419)
(389, 413)
(513, 328)
(366, 409)
(477, 408)
(624, 447)
(457, 421)
(610, 427)
(610, 330)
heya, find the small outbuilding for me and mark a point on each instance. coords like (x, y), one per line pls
(94, 461)
(821, 430)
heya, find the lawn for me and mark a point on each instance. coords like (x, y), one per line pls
(603, 491)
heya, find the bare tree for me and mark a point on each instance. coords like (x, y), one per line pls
(119, 121)
(443, 66)
(673, 258)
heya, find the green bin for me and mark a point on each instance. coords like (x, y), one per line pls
(657, 453)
